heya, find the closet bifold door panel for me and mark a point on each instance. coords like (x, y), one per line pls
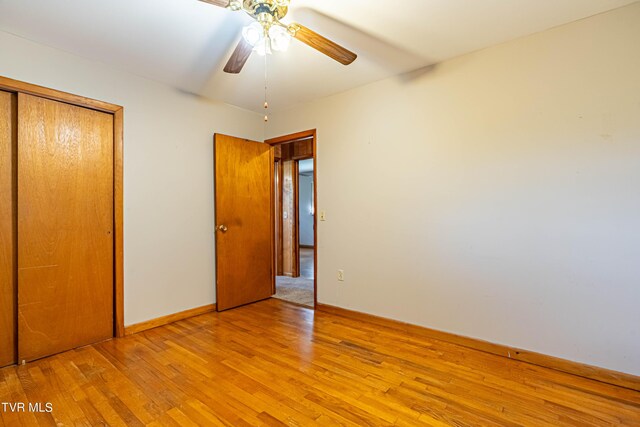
(65, 227)
(7, 230)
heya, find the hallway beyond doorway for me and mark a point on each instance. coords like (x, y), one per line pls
(298, 290)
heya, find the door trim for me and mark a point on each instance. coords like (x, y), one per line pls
(278, 176)
(16, 86)
(298, 136)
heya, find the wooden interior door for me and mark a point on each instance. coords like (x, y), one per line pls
(7, 235)
(65, 226)
(244, 221)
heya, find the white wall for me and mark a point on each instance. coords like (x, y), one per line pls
(168, 172)
(496, 195)
(305, 190)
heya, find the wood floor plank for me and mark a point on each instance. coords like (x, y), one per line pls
(274, 363)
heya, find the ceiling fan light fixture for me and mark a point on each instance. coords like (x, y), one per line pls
(280, 38)
(253, 34)
(263, 47)
(267, 32)
(235, 5)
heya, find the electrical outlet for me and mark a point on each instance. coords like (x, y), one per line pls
(323, 216)
(341, 275)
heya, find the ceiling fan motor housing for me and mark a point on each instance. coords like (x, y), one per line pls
(263, 10)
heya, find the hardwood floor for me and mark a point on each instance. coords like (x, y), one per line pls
(274, 363)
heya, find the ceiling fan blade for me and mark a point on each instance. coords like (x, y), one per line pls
(238, 57)
(221, 3)
(323, 44)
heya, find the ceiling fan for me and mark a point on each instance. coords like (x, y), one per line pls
(267, 33)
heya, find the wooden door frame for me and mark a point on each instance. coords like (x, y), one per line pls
(15, 86)
(278, 176)
(295, 232)
(308, 134)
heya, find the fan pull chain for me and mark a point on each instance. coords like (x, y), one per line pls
(266, 104)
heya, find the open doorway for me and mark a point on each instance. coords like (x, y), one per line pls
(295, 223)
(291, 285)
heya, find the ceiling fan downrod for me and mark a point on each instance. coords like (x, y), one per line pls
(276, 8)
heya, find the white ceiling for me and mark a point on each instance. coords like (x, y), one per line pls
(185, 43)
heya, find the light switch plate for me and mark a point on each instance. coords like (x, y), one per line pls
(323, 216)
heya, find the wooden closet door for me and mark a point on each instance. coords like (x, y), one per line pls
(7, 243)
(65, 227)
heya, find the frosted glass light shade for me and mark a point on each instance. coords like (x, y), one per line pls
(280, 38)
(263, 47)
(253, 33)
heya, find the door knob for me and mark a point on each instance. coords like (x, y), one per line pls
(222, 228)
